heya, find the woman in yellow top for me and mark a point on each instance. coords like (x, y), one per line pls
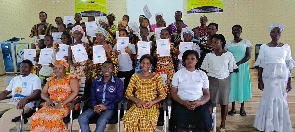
(58, 92)
(144, 112)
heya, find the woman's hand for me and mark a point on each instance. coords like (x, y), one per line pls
(289, 87)
(58, 106)
(195, 104)
(187, 105)
(139, 104)
(148, 105)
(118, 52)
(260, 85)
(127, 50)
(50, 104)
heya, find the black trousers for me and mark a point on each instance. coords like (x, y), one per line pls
(127, 75)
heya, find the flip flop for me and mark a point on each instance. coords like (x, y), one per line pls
(242, 112)
(232, 112)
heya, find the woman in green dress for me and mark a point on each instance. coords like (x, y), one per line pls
(240, 84)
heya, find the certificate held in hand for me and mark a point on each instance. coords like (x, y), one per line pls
(163, 47)
(30, 54)
(46, 56)
(79, 53)
(99, 54)
(62, 52)
(122, 43)
(143, 48)
(184, 46)
(91, 28)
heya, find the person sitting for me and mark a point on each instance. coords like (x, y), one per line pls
(145, 91)
(24, 89)
(106, 92)
(58, 92)
(190, 94)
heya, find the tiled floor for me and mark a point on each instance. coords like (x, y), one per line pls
(233, 123)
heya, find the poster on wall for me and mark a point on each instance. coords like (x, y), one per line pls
(91, 7)
(205, 6)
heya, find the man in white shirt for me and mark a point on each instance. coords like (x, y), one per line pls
(24, 89)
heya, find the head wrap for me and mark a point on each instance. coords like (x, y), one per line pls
(159, 14)
(111, 14)
(123, 23)
(272, 26)
(78, 28)
(62, 62)
(188, 31)
(102, 31)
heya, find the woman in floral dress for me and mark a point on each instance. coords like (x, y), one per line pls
(59, 92)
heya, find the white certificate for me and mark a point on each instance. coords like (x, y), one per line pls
(134, 27)
(143, 48)
(147, 12)
(158, 32)
(68, 19)
(122, 43)
(29, 54)
(41, 36)
(56, 37)
(79, 53)
(91, 28)
(163, 47)
(46, 56)
(99, 54)
(117, 35)
(184, 46)
(62, 52)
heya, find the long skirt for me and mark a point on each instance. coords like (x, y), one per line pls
(183, 119)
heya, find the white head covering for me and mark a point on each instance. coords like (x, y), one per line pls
(272, 26)
(159, 13)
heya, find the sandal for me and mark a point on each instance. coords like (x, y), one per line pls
(242, 112)
(232, 112)
(221, 129)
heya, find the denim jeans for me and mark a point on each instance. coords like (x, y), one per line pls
(101, 123)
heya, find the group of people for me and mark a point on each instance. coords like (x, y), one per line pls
(213, 71)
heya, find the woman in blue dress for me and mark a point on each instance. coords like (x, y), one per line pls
(240, 84)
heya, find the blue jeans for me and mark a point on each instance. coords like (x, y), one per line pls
(101, 123)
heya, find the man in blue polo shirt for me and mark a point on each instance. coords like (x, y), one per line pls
(106, 92)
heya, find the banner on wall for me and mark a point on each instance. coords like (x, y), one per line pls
(205, 6)
(91, 7)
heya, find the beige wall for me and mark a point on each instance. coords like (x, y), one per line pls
(18, 16)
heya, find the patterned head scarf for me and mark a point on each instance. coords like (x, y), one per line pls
(62, 62)
(111, 14)
(102, 31)
(188, 31)
(123, 23)
(78, 28)
(280, 26)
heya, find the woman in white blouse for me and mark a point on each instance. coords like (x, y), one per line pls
(218, 66)
(275, 64)
(190, 92)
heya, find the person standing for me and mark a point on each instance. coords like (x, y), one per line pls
(218, 65)
(46, 28)
(172, 27)
(275, 65)
(203, 29)
(240, 83)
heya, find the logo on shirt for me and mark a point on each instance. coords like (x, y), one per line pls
(24, 85)
(111, 89)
